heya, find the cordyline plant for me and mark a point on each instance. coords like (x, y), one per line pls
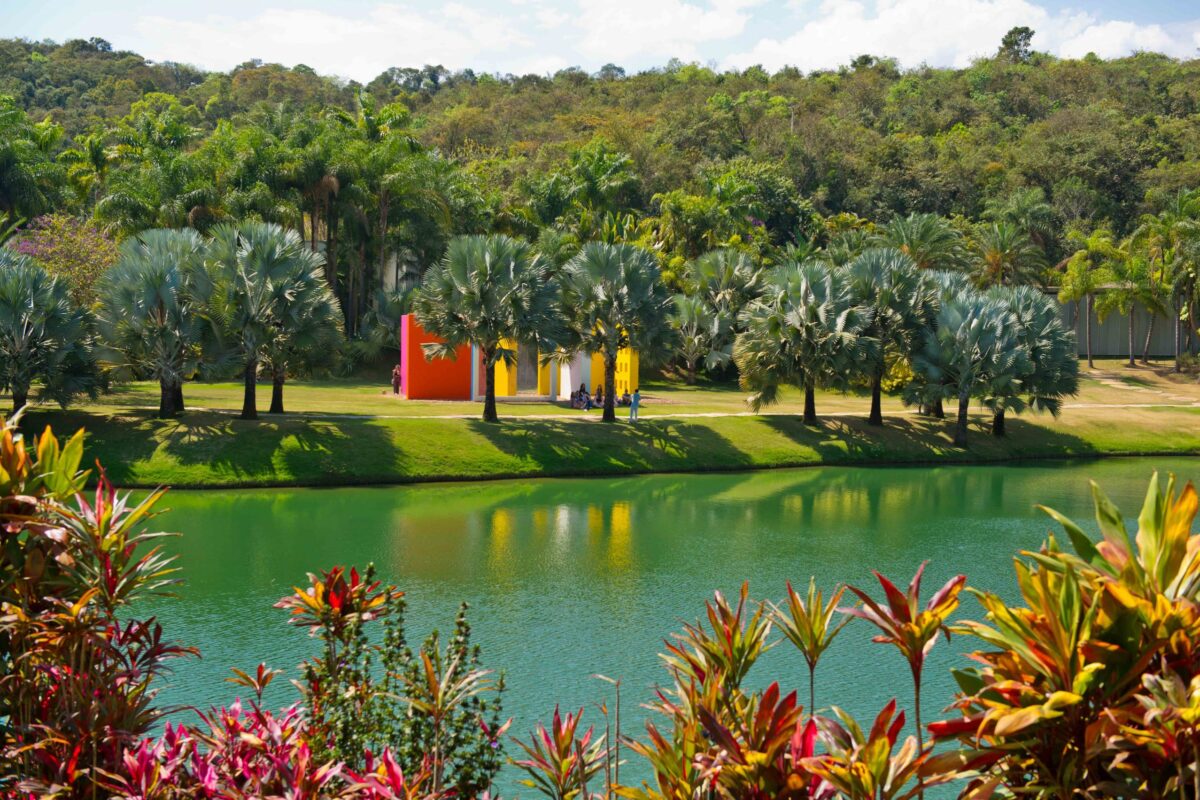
(807, 622)
(903, 623)
(1087, 687)
(77, 678)
(561, 761)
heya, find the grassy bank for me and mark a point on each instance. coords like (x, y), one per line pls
(208, 449)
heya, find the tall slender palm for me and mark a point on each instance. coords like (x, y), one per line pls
(1053, 363)
(44, 335)
(1086, 271)
(1164, 238)
(613, 298)
(805, 331)
(929, 240)
(259, 269)
(1005, 255)
(88, 164)
(488, 291)
(152, 311)
(886, 282)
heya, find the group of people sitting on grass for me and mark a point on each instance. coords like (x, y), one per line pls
(581, 399)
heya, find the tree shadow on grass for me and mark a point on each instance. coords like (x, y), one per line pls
(919, 439)
(580, 448)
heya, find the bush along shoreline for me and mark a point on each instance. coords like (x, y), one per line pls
(1087, 684)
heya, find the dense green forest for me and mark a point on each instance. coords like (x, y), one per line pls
(1007, 167)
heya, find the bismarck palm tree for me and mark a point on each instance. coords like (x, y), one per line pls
(971, 350)
(805, 331)
(44, 335)
(614, 298)
(260, 269)
(1053, 365)
(701, 336)
(886, 282)
(152, 316)
(1005, 256)
(306, 331)
(929, 240)
(488, 291)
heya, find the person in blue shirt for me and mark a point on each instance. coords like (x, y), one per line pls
(633, 405)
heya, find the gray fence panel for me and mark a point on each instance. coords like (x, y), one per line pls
(1110, 338)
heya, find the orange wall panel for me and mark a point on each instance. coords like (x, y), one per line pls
(439, 379)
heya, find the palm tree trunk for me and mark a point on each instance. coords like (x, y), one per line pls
(610, 385)
(276, 393)
(489, 390)
(1146, 345)
(998, 423)
(166, 399)
(331, 270)
(810, 403)
(939, 410)
(1131, 310)
(1178, 338)
(1087, 319)
(249, 401)
(876, 417)
(20, 397)
(960, 429)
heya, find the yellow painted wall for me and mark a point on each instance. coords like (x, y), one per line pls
(506, 375)
(627, 371)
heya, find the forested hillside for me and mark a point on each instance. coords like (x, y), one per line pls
(681, 159)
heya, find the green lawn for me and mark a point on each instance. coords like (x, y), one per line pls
(343, 432)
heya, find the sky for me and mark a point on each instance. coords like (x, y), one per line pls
(358, 39)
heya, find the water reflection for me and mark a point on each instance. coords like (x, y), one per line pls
(574, 577)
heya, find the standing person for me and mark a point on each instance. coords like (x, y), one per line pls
(397, 373)
(633, 404)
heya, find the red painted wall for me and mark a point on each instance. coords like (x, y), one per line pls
(439, 379)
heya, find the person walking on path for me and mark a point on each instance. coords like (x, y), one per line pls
(396, 374)
(633, 405)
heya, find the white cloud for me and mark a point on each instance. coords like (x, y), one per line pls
(359, 47)
(620, 31)
(945, 33)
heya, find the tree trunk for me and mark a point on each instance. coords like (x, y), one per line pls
(166, 399)
(177, 396)
(1087, 321)
(810, 403)
(998, 423)
(691, 373)
(249, 401)
(1146, 345)
(610, 382)
(1131, 362)
(939, 410)
(960, 429)
(876, 417)
(489, 391)
(276, 394)
(331, 270)
(20, 397)
(1178, 348)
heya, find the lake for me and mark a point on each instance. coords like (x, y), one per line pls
(569, 578)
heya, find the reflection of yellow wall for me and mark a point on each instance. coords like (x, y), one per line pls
(626, 375)
(620, 536)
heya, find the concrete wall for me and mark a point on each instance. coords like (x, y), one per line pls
(1110, 338)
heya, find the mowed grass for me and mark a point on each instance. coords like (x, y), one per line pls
(339, 433)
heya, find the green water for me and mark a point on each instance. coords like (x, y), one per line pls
(568, 578)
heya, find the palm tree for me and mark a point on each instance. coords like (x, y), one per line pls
(805, 331)
(306, 331)
(152, 305)
(1028, 210)
(1053, 364)
(887, 283)
(44, 335)
(88, 165)
(1087, 270)
(1164, 238)
(613, 298)
(1133, 284)
(701, 336)
(929, 240)
(1005, 255)
(260, 269)
(488, 291)
(972, 349)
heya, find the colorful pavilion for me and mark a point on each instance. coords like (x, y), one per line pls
(462, 378)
